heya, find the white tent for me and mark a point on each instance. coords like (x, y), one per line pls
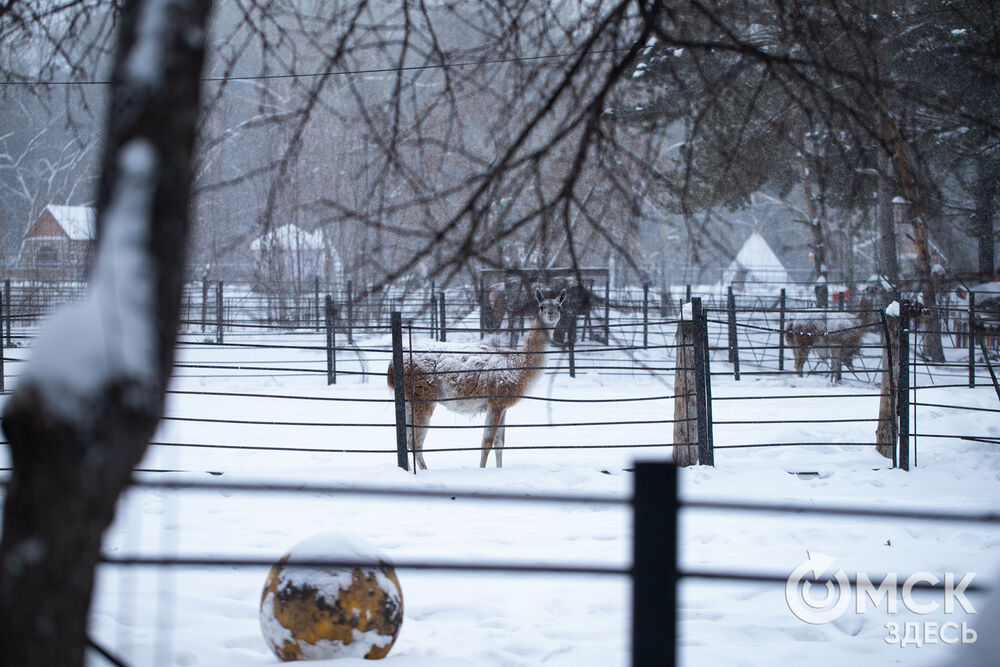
(755, 263)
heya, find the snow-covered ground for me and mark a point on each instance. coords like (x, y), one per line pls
(209, 615)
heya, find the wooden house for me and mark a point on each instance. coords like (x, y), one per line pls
(58, 245)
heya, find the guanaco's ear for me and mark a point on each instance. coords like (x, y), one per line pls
(561, 298)
(539, 297)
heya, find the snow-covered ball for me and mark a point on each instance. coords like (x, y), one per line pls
(318, 613)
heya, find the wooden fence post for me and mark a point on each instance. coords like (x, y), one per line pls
(331, 341)
(398, 378)
(654, 569)
(886, 430)
(822, 295)
(685, 396)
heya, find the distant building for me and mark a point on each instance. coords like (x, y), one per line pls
(290, 255)
(755, 264)
(58, 245)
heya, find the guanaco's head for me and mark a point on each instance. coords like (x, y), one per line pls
(549, 310)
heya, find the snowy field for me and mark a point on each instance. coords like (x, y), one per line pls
(209, 615)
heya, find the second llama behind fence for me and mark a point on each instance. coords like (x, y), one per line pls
(474, 378)
(837, 336)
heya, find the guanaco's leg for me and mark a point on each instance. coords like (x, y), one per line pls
(416, 433)
(498, 439)
(801, 354)
(494, 419)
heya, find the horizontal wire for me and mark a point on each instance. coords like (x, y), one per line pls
(250, 561)
(845, 511)
(796, 444)
(953, 407)
(381, 491)
(778, 578)
(857, 420)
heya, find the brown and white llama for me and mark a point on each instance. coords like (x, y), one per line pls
(836, 336)
(474, 378)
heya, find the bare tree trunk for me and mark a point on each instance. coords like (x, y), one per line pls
(888, 258)
(77, 429)
(932, 333)
(816, 222)
(685, 401)
(986, 191)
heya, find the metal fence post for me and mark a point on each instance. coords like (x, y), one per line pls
(903, 387)
(316, 295)
(571, 334)
(398, 378)
(972, 339)
(607, 310)
(701, 380)
(483, 306)
(734, 346)
(2, 387)
(350, 312)
(331, 342)
(219, 315)
(7, 309)
(204, 303)
(781, 330)
(654, 569)
(645, 316)
(442, 322)
(434, 314)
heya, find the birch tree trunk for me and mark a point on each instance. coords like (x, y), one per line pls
(92, 395)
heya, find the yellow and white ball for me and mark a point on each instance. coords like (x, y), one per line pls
(318, 613)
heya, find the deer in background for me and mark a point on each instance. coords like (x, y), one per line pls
(837, 336)
(474, 378)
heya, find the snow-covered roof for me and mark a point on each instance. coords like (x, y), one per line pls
(289, 237)
(758, 261)
(79, 222)
(991, 288)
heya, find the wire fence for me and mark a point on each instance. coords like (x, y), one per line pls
(654, 572)
(739, 344)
